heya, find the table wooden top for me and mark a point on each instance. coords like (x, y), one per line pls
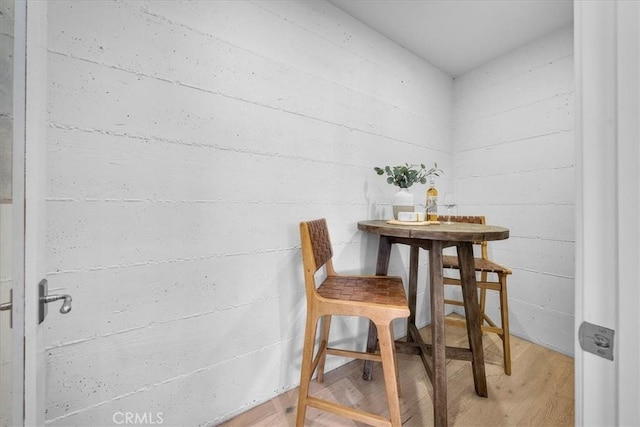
(456, 232)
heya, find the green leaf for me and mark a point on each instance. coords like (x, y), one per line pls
(404, 176)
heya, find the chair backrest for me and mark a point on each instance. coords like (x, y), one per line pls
(316, 250)
(477, 219)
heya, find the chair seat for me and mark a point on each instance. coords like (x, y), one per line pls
(450, 261)
(386, 291)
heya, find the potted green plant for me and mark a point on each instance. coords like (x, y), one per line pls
(404, 176)
(407, 175)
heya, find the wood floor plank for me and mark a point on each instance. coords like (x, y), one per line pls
(538, 393)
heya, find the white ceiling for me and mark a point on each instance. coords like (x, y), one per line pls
(459, 35)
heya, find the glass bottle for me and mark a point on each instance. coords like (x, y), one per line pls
(431, 213)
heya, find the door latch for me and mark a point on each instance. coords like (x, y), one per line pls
(45, 298)
(596, 339)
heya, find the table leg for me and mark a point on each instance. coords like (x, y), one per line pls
(472, 312)
(439, 380)
(382, 267)
(413, 287)
(384, 253)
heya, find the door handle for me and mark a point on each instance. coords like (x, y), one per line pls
(45, 298)
(66, 305)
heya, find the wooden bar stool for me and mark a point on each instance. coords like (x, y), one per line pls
(378, 298)
(484, 266)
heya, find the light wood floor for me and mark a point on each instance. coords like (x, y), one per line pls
(538, 393)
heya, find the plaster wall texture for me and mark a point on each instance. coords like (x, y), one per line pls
(185, 143)
(514, 150)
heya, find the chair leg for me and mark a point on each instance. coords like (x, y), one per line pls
(389, 365)
(395, 359)
(326, 325)
(504, 318)
(483, 298)
(306, 368)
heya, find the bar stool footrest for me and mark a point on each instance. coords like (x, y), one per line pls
(346, 411)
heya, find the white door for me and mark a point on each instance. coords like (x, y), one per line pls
(22, 225)
(608, 223)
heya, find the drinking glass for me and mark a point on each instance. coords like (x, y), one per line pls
(449, 202)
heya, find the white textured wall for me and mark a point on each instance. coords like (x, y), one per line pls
(186, 141)
(514, 153)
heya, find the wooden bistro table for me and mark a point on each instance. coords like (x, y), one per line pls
(434, 238)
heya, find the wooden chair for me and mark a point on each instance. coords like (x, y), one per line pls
(378, 298)
(484, 266)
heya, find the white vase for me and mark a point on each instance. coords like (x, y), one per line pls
(402, 202)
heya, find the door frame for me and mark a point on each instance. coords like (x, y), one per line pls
(29, 166)
(607, 46)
